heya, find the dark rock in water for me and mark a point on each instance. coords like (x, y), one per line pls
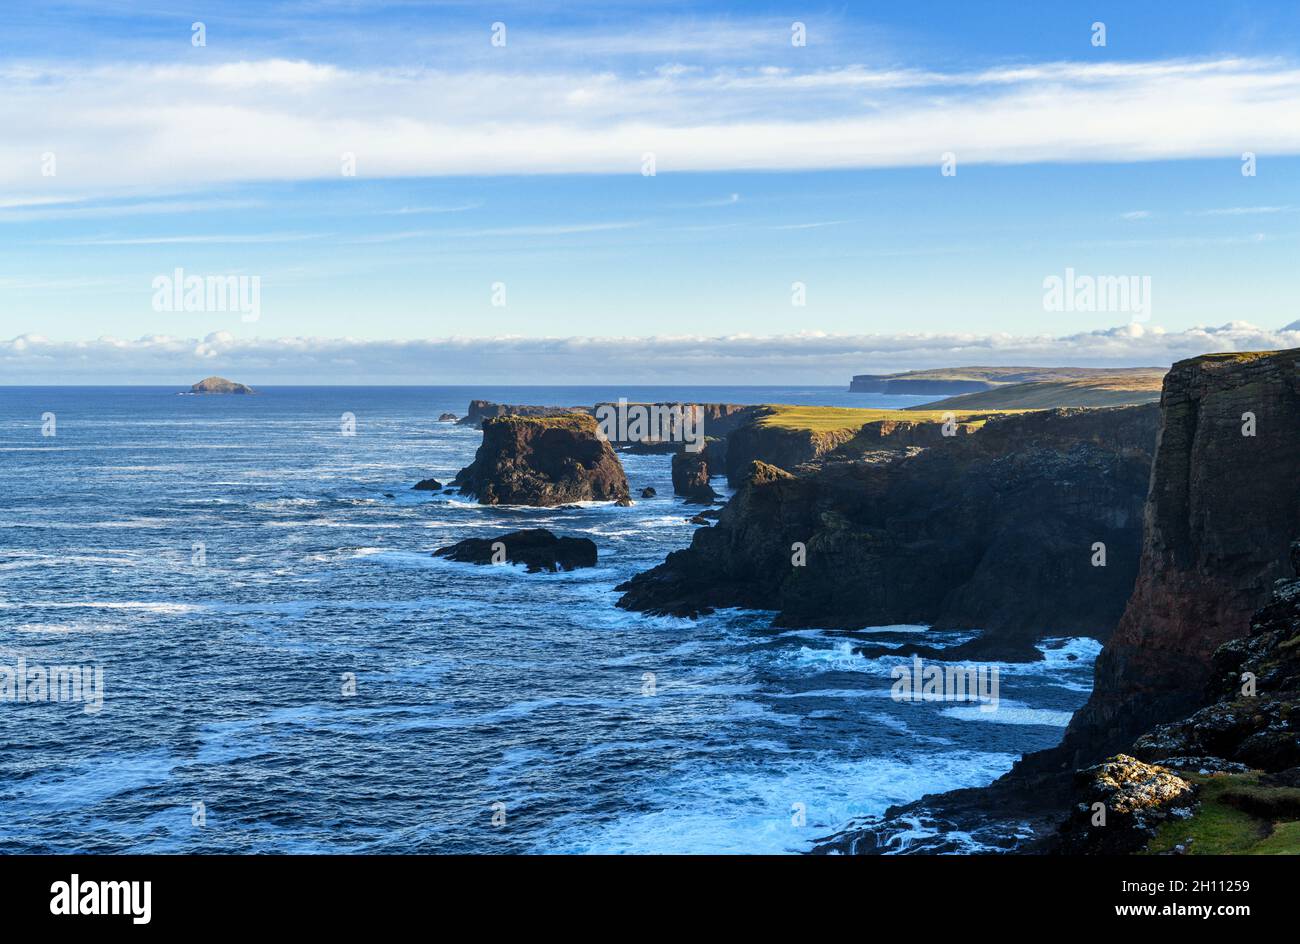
(691, 473)
(535, 548)
(648, 492)
(699, 519)
(543, 461)
(220, 385)
(624, 503)
(992, 531)
(389, 495)
(447, 418)
(427, 485)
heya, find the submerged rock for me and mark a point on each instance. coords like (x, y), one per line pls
(535, 548)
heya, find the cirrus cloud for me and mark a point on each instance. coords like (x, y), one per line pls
(275, 119)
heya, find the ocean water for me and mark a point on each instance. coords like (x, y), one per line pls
(494, 711)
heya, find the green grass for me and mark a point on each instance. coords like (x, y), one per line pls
(1109, 390)
(1220, 826)
(827, 419)
(574, 421)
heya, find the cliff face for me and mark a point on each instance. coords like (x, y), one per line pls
(543, 461)
(1253, 726)
(790, 447)
(991, 531)
(778, 446)
(1223, 508)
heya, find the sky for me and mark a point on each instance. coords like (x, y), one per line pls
(441, 192)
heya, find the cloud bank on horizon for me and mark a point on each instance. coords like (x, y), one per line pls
(810, 357)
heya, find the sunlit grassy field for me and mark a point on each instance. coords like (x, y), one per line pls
(826, 419)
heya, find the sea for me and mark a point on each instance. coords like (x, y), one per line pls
(273, 661)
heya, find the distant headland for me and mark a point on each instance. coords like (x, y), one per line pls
(1020, 388)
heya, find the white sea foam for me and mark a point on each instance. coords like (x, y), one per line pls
(1010, 713)
(705, 807)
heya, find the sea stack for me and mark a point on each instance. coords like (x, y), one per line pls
(544, 461)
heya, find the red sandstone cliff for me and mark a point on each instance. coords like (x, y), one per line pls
(1222, 510)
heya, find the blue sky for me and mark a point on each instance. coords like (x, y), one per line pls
(522, 165)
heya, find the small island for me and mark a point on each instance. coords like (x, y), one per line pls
(220, 385)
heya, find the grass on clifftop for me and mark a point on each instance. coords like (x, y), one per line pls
(826, 419)
(1237, 815)
(579, 422)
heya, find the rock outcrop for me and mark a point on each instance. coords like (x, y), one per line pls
(1223, 509)
(691, 472)
(447, 418)
(427, 485)
(791, 448)
(543, 461)
(480, 410)
(1120, 804)
(535, 548)
(220, 385)
(1244, 745)
(995, 531)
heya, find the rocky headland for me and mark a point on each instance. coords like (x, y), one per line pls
(994, 530)
(1173, 684)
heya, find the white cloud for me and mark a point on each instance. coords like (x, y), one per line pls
(809, 357)
(122, 126)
